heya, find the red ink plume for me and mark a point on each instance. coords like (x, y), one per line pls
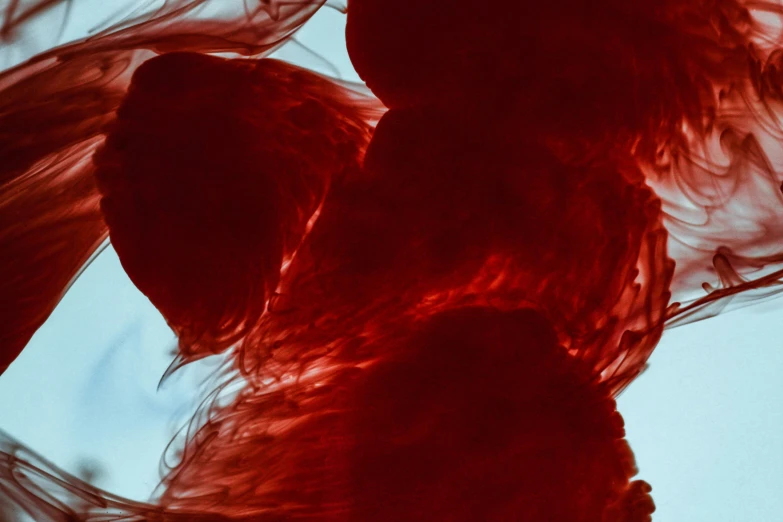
(429, 309)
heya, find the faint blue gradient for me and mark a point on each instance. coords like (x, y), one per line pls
(85, 387)
(705, 421)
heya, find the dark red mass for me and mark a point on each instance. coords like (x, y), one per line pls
(610, 69)
(209, 177)
(474, 414)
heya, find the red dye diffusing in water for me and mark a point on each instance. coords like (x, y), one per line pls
(430, 306)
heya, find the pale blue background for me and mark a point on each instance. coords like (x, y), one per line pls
(706, 420)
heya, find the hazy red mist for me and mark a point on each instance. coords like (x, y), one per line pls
(430, 308)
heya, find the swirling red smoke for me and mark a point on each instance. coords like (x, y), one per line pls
(431, 304)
